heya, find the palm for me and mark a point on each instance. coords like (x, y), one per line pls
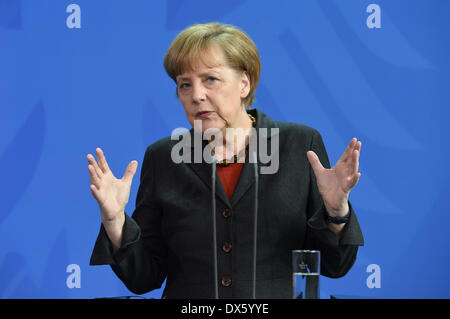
(334, 184)
(112, 194)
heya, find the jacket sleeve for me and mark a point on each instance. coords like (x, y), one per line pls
(141, 261)
(338, 253)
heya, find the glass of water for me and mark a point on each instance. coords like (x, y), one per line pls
(305, 274)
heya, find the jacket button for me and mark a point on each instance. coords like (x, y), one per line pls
(226, 281)
(226, 213)
(226, 247)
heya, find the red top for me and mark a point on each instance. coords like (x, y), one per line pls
(229, 176)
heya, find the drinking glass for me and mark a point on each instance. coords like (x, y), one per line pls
(305, 274)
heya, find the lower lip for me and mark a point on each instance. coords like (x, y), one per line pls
(204, 115)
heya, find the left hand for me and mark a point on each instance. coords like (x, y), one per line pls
(335, 183)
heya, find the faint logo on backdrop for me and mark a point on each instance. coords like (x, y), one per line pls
(73, 20)
(10, 14)
(374, 19)
(19, 174)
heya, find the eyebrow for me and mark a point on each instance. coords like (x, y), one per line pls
(186, 78)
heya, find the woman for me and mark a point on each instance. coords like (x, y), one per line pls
(303, 205)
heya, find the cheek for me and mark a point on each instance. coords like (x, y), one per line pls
(227, 100)
(189, 111)
(187, 106)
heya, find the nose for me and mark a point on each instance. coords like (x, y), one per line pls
(198, 93)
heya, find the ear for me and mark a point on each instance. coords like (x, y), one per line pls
(245, 85)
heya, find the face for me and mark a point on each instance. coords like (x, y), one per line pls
(213, 93)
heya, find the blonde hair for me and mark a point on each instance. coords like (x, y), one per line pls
(192, 42)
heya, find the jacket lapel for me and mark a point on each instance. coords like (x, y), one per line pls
(204, 169)
(245, 181)
(247, 177)
(204, 172)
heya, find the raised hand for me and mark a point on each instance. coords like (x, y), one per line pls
(334, 184)
(112, 194)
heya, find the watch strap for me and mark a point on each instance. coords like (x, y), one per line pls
(338, 220)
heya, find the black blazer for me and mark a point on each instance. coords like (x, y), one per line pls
(170, 232)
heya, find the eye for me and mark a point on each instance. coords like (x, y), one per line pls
(184, 86)
(211, 79)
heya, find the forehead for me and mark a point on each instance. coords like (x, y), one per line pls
(207, 60)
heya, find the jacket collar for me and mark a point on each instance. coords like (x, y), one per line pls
(263, 121)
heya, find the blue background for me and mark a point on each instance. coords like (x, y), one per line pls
(63, 92)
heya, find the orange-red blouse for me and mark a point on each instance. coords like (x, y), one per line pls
(229, 176)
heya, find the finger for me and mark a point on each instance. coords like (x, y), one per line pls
(93, 176)
(95, 192)
(102, 160)
(355, 161)
(358, 146)
(314, 161)
(355, 156)
(348, 151)
(130, 171)
(355, 180)
(93, 162)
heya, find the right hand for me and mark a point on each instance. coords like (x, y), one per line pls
(112, 194)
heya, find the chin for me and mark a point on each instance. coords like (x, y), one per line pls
(211, 125)
(207, 124)
(212, 128)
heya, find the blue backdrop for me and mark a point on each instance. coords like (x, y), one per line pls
(70, 82)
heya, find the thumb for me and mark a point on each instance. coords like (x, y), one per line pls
(130, 171)
(314, 161)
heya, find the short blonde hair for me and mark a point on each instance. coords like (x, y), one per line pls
(192, 42)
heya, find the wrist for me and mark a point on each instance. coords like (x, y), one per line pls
(114, 230)
(112, 222)
(337, 212)
(337, 222)
(339, 217)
